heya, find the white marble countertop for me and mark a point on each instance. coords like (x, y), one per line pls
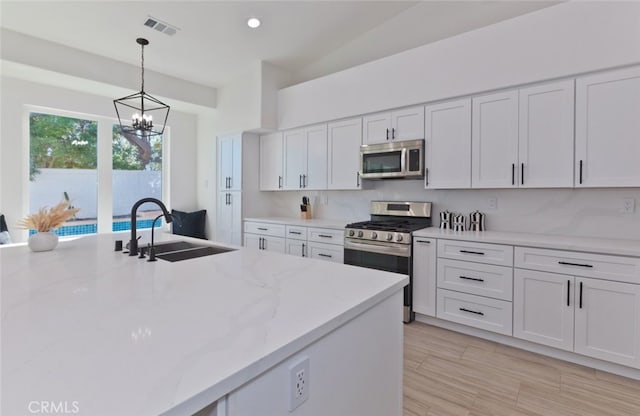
(320, 223)
(121, 336)
(558, 242)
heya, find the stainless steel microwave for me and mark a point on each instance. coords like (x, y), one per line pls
(403, 159)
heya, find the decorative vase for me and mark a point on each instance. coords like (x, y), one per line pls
(44, 241)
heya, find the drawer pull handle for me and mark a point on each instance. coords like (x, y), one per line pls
(423, 241)
(473, 312)
(325, 255)
(262, 229)
(475, 279)
(566, 263)
(480, 253)
(325, 236)
(295, 232)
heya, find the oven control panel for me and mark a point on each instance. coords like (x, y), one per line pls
(375, 235)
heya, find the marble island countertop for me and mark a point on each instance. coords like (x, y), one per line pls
(557, 242)
(116, 335)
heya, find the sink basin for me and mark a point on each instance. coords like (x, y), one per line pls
(174, 246)
(183, 250)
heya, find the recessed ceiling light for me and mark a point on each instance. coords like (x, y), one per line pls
(253, 22)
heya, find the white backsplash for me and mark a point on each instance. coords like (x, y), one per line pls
(575, 212)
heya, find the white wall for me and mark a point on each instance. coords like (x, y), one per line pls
(576, 212)
(17, 94)
(558, 41)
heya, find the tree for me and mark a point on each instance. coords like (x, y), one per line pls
(62, 142)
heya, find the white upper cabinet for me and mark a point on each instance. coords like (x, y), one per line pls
(607, 129)
(545, 144)
(295, 158)
(230, 162)
(403, 124)
(271, 162)
(305, 158)
(494, 140)
(345, 138)
(448, 145)
(376, 128)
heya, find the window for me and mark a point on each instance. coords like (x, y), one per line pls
(137, 174)
(63, 163)
(69, 156)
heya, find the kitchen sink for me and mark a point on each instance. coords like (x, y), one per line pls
(184, 250)
(174, 246)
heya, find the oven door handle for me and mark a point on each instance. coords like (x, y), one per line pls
(404, 251)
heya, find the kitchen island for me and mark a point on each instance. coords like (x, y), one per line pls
(91, 331)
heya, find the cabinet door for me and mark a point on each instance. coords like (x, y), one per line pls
(253, 241)
(608, 321)
(543, 308)
(448, 139)
(295, 158)
(274, 244)
(545, 145)
(376, 128)
(607, 126)
(230, 162)
(316, 158)
(271, 162)
(345, 138)
(424, 276)
(407, 123)
(494, 140)
(229, 218)
(296, 247)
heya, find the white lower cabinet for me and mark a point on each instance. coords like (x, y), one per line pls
(478, 311)
(607, 321)
(317, 243)
(323, 251)
(595, 316)
(264, 236)
(424, 276)
(543, 308)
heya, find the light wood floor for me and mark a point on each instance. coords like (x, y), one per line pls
(451, 374)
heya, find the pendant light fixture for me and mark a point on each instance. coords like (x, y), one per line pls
(141, 108)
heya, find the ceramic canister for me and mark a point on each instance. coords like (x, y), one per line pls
(445, 220)
(476, 221)
(458, 222)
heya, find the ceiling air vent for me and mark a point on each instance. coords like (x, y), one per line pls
(161, 26)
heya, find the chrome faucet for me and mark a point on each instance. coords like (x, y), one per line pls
(133, 243)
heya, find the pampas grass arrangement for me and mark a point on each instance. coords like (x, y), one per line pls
(47, 219)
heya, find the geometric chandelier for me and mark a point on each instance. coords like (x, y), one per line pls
(140, 110)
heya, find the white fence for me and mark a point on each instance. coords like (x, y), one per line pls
(48, 187)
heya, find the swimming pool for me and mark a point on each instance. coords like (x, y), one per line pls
(92, 228)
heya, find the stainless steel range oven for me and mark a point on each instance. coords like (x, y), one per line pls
(384, 242)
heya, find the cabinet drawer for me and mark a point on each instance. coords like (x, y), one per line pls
(296, 233)
(478, 252)
(328, 252)
(476, 279)
(275, 230)
(477, 311)
(599, 266)
(326, 235)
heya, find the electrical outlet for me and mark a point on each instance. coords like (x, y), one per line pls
(298, 383)
(492, 203)
(628, 205)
